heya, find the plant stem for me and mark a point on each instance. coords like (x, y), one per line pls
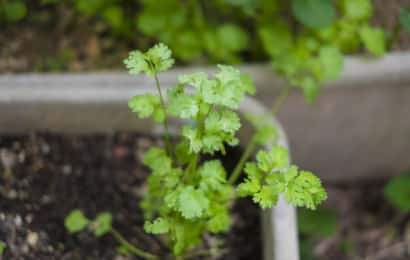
(394, 35)
(167, 138)
(130, 247)
(278, 102)
(245, 156)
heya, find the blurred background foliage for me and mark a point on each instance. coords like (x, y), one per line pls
(305, 40)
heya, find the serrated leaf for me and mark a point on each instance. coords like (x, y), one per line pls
(397, 192)
(76, 221)
(157, 160)
(144, 105)
(305, 191)
(158, 226)
(213, 175)
(220, 220)
(196, 79)
(314, 13)
(103, 223)
(222, 121)
(357, 9)
(183, 105)
(374, 40)
(331, 60)
(192, 203)
(191, 133)
(266, 197)
(405, 19)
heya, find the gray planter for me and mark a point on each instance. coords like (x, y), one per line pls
(76, 104)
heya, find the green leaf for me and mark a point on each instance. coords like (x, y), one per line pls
(156, 59)
(157, 160)
(397, 192)
(266, 197)
(2, 247)
(192, 203)
(213, 175)
(222, 121)
(311, 89)
(405, 19)
(331, 60)
(191, 133)
(103, 223)
(14, 10)
(374, 40)
(158, 226)
(305, 190)
(232, 37)
(265, 131)
(319, 223)
(220, 220)
(357, 9)
(183, 106)
(76, 221)
(314, 13)
(144, 105)
(276, 158)
(276, 38)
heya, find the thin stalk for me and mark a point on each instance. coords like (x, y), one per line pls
(245, 156)
(167, 138)
(133, 249)
(278, 102)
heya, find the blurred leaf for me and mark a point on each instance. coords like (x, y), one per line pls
(103, 223)
(276, 38)
(232, 37)
(14, 10)
(311, 89)
(397, 192)
(374, 40)
(405, 19)
(357, 9)
(331, 60)
(314, 13)
(115, 17)
(318, 223)
(76, 221)
(2, 247)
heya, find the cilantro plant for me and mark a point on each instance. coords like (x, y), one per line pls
(187, 195)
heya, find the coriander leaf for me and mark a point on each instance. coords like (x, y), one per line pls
(266, 197)
(331, 60)
(160, 57)
(103, 223)
(213, 175)
(311, 89)
(192, 203)
(225, 121)
(373, 39)
(157, 160)
(357, 9)
(184, 106)
(305, 191)
(136, 63)
(314, 13)
(144, 105)
(191, 133)
(76, 221)
(212, 143)
(265, 131)
(158, 226)
(14, 10)
(220, 220)
(405, 19)
(276, 159)
(196, 79)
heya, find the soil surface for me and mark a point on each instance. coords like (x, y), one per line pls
(368, 227)
(57, 38)
(52, 174)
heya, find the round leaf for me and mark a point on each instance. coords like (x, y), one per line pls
(314, 13)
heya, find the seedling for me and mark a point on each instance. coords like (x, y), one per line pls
(188, 196)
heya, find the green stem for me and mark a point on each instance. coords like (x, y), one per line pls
(394, 35)
(167, 138)
(245, 156)
(278, 102)
(132, 248)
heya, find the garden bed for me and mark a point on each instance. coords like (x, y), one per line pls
(54, 174)
(367, 226)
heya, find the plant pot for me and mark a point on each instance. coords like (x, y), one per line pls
(66, 107)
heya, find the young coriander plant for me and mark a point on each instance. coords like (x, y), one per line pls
(188, 196)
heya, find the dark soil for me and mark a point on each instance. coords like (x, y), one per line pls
(369, 227)
(53, 174)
